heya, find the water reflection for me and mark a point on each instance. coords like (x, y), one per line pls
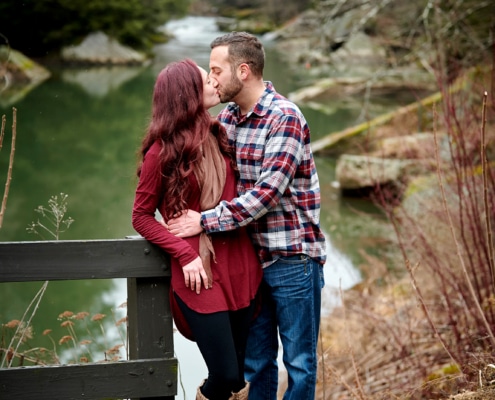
(100, 81)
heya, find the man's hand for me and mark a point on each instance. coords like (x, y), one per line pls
(185, 225)
(194, 273)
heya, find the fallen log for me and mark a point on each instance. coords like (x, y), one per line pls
(333, 138)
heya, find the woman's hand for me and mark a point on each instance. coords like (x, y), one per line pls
(194, 273)
(185, 225)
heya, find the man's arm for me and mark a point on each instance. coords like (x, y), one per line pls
(282, 153)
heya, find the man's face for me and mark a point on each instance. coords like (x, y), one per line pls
(222, 77)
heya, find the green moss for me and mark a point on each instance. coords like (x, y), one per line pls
(451, 369)
(448, 370)
(420, 184)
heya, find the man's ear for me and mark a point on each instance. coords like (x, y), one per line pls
(243, 71)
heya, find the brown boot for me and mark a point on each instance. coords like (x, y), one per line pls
(241, 394)
(199, 394)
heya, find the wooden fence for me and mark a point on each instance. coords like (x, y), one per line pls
(151, 371)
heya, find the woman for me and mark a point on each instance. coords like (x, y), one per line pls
(187, 164)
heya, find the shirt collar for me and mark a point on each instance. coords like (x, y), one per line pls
(262, 105)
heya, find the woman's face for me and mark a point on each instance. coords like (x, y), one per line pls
(210, 95)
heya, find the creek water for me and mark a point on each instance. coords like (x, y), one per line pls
(78, 133)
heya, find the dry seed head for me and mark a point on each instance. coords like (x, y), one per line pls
(12, 324)
(65, 339)
(98, 317)
(66, 314)
(81, 315)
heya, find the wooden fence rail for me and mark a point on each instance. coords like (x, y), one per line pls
(151, 371)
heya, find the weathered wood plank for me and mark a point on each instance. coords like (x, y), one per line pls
(150, 324)
(115, 380)
(150, 320)
(79, 259)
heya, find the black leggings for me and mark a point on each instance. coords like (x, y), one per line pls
(221, 339)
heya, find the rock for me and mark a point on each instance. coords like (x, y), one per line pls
(416, 146)
(99, 49)
(21, 68)
(18, 76)
(364, 171)
(334, 43)
(359, 55)
(339, 47)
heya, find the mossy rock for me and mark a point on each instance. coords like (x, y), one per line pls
(21, 68)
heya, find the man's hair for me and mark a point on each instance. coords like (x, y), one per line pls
(243, 48)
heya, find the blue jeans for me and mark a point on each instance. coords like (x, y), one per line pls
(291, 303)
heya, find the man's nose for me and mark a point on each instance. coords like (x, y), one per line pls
(213, 81)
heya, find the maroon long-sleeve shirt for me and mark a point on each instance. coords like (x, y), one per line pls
(237, 272)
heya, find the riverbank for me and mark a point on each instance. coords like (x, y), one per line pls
(420, 326)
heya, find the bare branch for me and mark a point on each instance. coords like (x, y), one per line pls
(11, 163)
(489, 233)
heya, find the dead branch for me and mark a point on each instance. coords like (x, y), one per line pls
(11, 163)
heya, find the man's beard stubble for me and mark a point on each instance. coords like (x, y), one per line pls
(231, 90)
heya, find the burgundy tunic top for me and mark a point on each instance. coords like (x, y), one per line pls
(237, 271)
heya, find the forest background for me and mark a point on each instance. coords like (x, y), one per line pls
(422, 328)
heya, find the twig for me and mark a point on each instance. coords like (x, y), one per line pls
(11, 163)
(361, 394)
(38, 296)
(2, 131)
(416, 288)
(454, 237)
(322, 350)
(425, 310)
(489, 233)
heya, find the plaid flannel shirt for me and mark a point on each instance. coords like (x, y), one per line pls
(278, 191)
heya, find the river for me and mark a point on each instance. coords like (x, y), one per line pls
(78, 134)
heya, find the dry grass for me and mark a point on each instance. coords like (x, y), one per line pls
(421, 326)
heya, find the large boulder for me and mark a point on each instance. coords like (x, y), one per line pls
(421, 146)
(99, 49)
(354, 172)
(339, 51)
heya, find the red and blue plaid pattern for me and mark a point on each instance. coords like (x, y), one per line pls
(279, 192)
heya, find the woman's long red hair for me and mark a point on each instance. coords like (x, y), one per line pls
(180, 122)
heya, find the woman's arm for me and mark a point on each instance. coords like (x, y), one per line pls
(146, 202)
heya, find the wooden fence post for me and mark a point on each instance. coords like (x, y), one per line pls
(150, 320)
(152, 368)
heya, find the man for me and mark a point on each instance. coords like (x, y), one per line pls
(279, 200)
